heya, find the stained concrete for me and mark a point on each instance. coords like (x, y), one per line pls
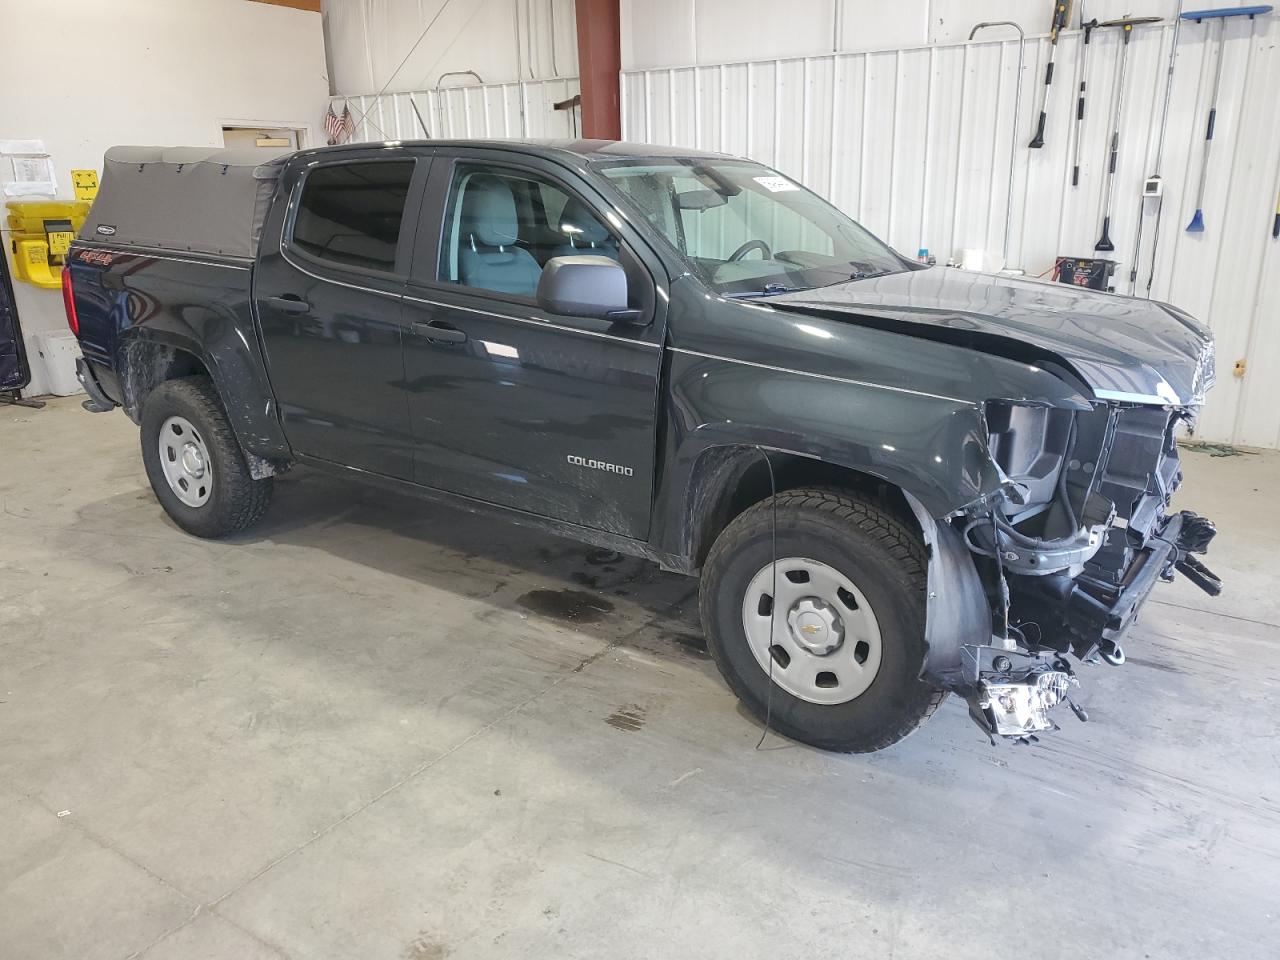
(375, 728)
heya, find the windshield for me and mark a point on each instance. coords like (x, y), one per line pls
(747, 230)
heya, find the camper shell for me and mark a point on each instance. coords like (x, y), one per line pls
(185, 199)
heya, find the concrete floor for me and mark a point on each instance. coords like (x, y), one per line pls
(377, 729)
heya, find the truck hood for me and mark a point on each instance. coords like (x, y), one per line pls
(1123, 348)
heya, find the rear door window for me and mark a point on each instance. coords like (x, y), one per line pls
(351, 213)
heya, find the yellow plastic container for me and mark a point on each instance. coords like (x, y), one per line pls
(40, 233)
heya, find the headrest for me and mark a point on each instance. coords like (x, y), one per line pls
(580, 224)
(489, 211)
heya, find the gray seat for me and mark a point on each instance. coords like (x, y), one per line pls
(586, 234)
(488, 258)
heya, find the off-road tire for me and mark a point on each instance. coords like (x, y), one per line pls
(237, 501)
(876, 550)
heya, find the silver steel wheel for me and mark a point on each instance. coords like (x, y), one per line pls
(184, 458)
(825, 643)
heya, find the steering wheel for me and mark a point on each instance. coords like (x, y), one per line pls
(747, 247)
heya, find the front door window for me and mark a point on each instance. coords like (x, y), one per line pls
(503, 225)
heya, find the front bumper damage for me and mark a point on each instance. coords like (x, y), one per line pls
(1094, 606)
(1010, 693)
(1011, 687)
(1054, 566)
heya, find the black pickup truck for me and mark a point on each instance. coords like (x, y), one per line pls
(894, 481)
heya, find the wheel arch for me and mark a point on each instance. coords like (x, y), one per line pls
(729, 479)
(147, 359)
(145, 362)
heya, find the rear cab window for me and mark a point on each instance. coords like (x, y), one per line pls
(351, 213)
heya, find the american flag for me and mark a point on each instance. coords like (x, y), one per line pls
(338, 128)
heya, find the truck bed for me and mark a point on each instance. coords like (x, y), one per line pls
(138, 311)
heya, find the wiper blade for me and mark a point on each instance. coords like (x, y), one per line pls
(768, 290)
(869, 275)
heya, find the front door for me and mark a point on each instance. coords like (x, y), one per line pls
(511, 404)
(329, 293)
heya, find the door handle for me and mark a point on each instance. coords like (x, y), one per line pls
(439, 331)
(289, 303)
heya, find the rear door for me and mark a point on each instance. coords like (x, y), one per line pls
(329, 290)
(510, 404)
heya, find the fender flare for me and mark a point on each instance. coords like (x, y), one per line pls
(956, 608)
(716, 456)
(147, 356)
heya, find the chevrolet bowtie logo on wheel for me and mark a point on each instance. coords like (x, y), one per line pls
(600, 465)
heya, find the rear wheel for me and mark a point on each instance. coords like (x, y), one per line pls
(195, 464)
(836, 628)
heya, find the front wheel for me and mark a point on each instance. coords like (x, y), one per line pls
(836, 627)
(195, 464)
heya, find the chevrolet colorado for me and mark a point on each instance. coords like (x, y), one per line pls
(894, 481)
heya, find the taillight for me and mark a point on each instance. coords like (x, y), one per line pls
(69, 300)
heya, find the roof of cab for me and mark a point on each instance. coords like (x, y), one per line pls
(214, 201)
(589, 150)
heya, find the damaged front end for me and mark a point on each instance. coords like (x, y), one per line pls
(1056, 522)
(1068, 550)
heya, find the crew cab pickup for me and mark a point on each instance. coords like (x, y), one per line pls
(894, 480)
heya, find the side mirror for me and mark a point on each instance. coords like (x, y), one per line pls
(585, 286)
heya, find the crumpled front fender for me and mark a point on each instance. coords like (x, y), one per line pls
(956, 609)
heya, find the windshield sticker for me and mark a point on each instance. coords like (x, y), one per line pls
(775, 184)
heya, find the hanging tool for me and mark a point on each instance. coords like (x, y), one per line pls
(1199, 16)
(1013, 138)
(1153, 185)
(1088, 26)
(1061, 17)
(1152, 189)
(1275, 225)
(1126, 25)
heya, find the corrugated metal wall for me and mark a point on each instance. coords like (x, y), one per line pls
(404, 45)
(488, 110)
(915, 144)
